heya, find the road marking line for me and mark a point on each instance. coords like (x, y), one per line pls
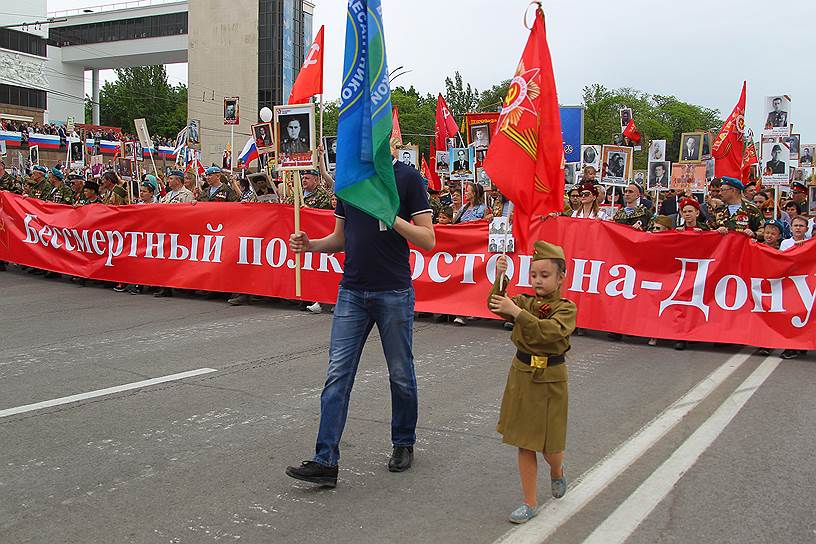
(629, 514)
(556, 512)
(102, 392)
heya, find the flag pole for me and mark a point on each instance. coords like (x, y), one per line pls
(298, 199)
(232, 148)
(321, 120)
(504, 249)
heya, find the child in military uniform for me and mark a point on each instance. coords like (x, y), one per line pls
(534, 406)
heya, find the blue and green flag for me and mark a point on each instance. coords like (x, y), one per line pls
(365, 171)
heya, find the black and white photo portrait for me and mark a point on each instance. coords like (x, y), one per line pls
(691, 148)
(591, 156)
(776, 159)
(442, 165)
(617, 163)
(462, 161)
(262, 133)
(77, 152)
(330, 145)
(194, 133)
(570, 171)
(34, 155)
(658, 176)
(777, 110)
(793, 144)
(806, 155)
(625, 117)
(480, 137)
(408, 155)
(294, 133)
(231, 113)
(295, 136)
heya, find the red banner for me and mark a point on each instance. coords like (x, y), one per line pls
(675, 285)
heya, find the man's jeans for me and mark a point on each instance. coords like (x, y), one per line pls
(354, 316)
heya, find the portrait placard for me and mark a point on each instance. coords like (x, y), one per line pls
(710, 163)
(3, 150)
(483, 179)
(657, 151)
(142, 132)
(591, 156)
(807, 155)
(194, 134)
(811, 201)
(793, 142)
(688, 176)
(777, 115)
(263, 134)
(408, 155)
(570, 173)
(775, 159)
(330, 147)
(691, 147)
(295, 141)
(639, 177)
(232, 115)
(34, 155)
(130, 150)
(625, 117)
(659, 176)
(442, 164)
(480, 136)
(618, 161)
(462, 161)
(77, 152)
(707, 139)
(500, 236)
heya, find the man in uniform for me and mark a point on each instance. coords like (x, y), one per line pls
(178, 194)
(799, 194)
(77, 182)
(8, 182)
(736, 214)
(777, 118)
(217, 190)
(112, 194)
(775, 166)
(436, 204)
(36, 184)
(633, 213)
(293, 143)
(60, 193)
(315, 195)
(807, 157)
(91, 191)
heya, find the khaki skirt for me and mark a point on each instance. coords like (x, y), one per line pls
(534, 408)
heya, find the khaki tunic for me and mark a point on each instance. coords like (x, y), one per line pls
(534, 406)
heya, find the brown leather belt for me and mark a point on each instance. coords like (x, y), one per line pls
(552, 360)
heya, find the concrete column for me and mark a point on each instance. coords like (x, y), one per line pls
(95, 96)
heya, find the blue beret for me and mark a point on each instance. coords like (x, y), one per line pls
(733, 182)
(40, 168)
(212, 170)
(151, 182)
(776, 223)
(57, 173)
(312, 172)
(75, 175)
(177, 173)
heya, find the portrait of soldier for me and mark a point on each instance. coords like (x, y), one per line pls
(295, 137)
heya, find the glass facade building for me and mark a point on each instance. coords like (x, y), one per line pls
(283, 29)
(156, 26)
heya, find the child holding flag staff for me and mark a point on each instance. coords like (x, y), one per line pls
(534, 406)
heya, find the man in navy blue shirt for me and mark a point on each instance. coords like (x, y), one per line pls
(376, 289)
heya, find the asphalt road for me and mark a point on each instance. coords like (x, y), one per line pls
(202, 459)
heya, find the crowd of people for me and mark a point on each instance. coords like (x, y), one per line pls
(727, 206)
(97, 134)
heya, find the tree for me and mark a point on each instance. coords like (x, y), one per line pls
(657, 118)
(459, 97)
(142, 92)
(493, 98)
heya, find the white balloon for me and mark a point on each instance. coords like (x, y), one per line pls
(265, 114)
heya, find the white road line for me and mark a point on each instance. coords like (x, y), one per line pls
(102, 392)
(592, 482)
(629, 514)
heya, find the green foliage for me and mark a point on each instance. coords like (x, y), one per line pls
(139, 92)
(657, 118)
(492, 99)
(459, 97)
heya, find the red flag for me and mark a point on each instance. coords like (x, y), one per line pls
(526, 155)
(309, 81)
(445, 124)
(631, 131)
(396, 131)
(729, 146)
(749, 158)
(434, 182)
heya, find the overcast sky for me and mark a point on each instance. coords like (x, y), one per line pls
(697, 50)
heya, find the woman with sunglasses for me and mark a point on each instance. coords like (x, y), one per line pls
(588, 203)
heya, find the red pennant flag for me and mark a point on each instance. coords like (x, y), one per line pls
(729, 146)
(631, 131)
(526, 155)
(309, 81)
(396, 131)
(445, 124)
(749, 158)
(434, 182)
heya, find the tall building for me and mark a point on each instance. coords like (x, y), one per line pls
(24, 81)
(252, 49)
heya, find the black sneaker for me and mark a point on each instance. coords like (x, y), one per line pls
(401, 458)
(311, 471)
(764, 352)
(120, 287)
(680, 345)
(790, 354)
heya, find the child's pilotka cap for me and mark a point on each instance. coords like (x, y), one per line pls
(546, 250)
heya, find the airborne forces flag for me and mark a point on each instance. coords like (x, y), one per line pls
(526, 155)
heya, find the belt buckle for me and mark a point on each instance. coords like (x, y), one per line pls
(538, 361)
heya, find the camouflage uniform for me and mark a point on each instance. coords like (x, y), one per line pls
(115, 197)
(61, 195)
(224, 193)
(638, 214)
(39, 190)
(747, 216)
(11, 183)
(436, 207)
(319, 198)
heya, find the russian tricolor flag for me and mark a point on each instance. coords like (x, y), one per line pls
(249, 153)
